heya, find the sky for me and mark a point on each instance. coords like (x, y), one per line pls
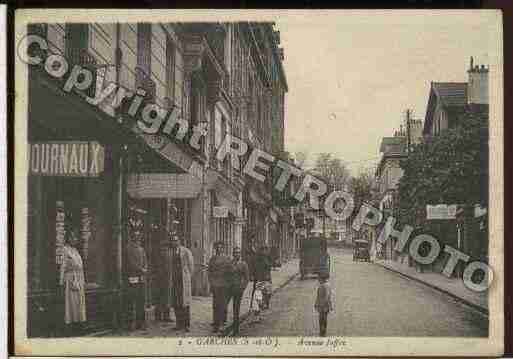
(351, 76)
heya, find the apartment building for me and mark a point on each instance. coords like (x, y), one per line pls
(227, 77)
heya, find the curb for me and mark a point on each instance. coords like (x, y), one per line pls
(459, 299)
(245, 316)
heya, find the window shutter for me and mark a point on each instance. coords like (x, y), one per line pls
(170, 69)
(77, 41)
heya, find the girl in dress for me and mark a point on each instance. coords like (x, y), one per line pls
(259, 300)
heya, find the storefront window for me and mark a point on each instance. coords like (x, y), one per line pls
(88, 203)
(179, 219)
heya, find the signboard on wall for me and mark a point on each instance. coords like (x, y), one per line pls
(66, 158)
(163, 185)
(441, 211)
(220, 212)
(85, 230)
(59, 232)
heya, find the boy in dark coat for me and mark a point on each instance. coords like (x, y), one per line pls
(323, 303)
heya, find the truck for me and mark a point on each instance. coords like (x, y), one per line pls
(314, 257)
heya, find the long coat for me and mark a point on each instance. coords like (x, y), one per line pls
(187, 262)
(72, 279)
(220, 271)
(323, 300)
(262, 267)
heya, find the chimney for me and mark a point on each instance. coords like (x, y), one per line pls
(477, 90)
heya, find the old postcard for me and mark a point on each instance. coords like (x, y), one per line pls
(258, 183)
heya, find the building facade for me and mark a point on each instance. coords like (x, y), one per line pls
(448, 103)
(225, 78)
(388, 174)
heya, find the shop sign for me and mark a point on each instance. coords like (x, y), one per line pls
(85, 230)
(69, 159)
(163, 185)
(441, 211)
(220, 212)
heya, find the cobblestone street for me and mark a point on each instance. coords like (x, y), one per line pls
(369, 301)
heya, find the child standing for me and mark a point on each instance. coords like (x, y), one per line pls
(323, 303)
(259, 300)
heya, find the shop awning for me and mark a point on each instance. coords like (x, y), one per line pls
(91, 122)
(163, 185)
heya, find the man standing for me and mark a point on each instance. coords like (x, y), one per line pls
(136, 267)
(220, 270)
(181, 269)
(238, 284)
(164, 281)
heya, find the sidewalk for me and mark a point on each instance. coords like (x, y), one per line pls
(451, 286)
(201, 310)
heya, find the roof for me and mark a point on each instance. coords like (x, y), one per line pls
(396, 144)
(450, 94)
(392, 147)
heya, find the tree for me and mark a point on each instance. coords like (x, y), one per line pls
(332, 171)
(361, 187)
(451, 168)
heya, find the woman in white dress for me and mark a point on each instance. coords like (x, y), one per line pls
(72, 282)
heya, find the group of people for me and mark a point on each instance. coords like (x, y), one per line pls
(175, 272)
(228, 278)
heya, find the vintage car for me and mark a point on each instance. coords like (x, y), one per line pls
(314, 257)
(361, 250)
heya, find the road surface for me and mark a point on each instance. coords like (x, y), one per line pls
(369, 301)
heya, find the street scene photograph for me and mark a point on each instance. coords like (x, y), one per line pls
(302, 176)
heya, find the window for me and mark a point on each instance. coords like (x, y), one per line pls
(128, 47)
(144, 47)
(159, 61)
(170, 70)
(77, 36)
(87, 202)
(56, 35)
(198, 110)
(224, 133)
